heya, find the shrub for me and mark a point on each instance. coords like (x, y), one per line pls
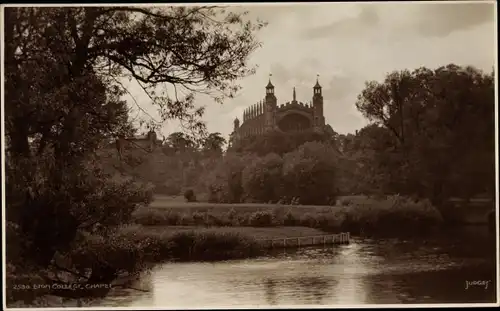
(155, 217)
(231, 215)
(345, 202)
(189, 195)
(308, 220)
(185, 220)
(394, 215)
(46, 217)
(330, 222)
(243, 220)
(193, 245)
(261, 219)
(278, 214)
(289, 219)
(199, 218)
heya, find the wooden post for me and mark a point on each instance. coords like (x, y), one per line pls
(298, 242)
(324, 240)
(284, 242)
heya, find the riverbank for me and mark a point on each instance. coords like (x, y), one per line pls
(192, 243)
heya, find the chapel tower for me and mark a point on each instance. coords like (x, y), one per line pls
(317, 102)
(270, 105)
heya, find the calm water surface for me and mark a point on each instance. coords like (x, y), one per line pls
(368, 271)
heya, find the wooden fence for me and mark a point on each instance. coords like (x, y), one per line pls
(317, 240)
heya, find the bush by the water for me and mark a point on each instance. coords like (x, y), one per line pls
(189, 195)
(394, 215)
(261, 219)
(61, 221)
(191, 245)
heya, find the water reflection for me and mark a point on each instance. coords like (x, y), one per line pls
(367, 271)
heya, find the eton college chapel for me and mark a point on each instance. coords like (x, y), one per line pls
(294, 116)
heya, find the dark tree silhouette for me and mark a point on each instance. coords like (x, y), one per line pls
(439, 138)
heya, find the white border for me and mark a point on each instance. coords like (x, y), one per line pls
(363, 306)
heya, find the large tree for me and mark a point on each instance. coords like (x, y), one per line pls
(214, 143)
(439, 138)
(64, 71)
(197, 49)
(179, 141)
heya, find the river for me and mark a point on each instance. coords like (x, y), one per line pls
(367, 271)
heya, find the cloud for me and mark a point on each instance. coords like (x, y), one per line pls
(441, 19)
(348, 26)
(402, 19)
(340, 86)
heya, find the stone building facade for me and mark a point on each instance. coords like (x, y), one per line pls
(293, 116)
(125, 145)
(146, 142)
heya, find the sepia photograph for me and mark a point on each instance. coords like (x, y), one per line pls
(254, 155)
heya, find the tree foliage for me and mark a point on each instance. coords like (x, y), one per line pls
(263, 179)
(214, 144)
(278, 142)
(198, 49)
(179, 141)
(224, 181)
(435, 136)
(309, 173)
(64, 69)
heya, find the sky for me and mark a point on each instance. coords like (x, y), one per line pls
(347, 44)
